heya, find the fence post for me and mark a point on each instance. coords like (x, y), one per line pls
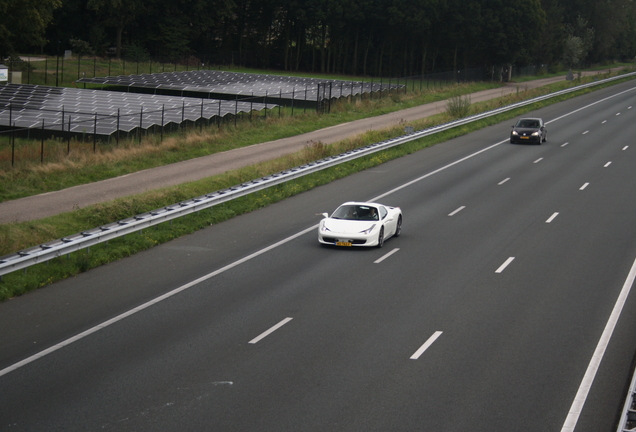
(12, 144)
(163, 110)
(68, 142)
(46, 69)
(95, 135)
(42, 144)
(141, 119)
(292, 102)
(117, 130)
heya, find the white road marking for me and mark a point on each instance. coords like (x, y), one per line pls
(457, 211)
(607, 164)
(270, 331)
(150, 303)
(625, 148)
(587, 131)
(504, 265)
(551, 218)
(604, 121)
(584, 186)
(618, 114)
(426, 345)
(379, 260)
(564, 144)
(260, 252)
(538, 160)
(592, 368)
(503, 181)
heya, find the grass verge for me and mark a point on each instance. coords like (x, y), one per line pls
(19, 236)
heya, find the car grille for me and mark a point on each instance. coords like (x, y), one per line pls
(334, 240)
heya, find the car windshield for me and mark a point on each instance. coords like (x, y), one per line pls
(355, 212)
(527, 123)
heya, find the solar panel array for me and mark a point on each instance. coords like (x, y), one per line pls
(103, 113)
(244, 84)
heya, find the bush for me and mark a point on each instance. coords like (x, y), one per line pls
(458, 106)
(80, 47)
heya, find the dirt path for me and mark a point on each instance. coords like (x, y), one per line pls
(66, 200)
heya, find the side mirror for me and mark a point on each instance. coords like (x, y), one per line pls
(326, 215)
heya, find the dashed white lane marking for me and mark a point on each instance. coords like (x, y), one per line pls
(504, 265)
(426, 345)
(503, 181)
(538, 160)
(551, 218)
(607, 164)
(618, 114)
(564, 144)
(457, 211)
(270, 331)
(584, 186)
(590, 373)
(604, 121)
(379, 260)
(625, 148)
(586, 132)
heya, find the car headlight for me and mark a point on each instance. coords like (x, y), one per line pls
(537, 133)
(515, 133)
(368, 230)
(323, 227)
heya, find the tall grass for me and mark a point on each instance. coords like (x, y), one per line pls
(18, 236)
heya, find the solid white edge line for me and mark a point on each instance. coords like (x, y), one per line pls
(270, 331)
(551, 218)
(457, 211)
(426, 345)
(379, 260)
(249, 257)
(584, 186)
(504, 265)
(149, 303)
(445, 167)
(595, 361)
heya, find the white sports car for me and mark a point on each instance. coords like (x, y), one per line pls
(360, 224)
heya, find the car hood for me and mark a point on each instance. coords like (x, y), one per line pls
(347, 226)
(526, 130)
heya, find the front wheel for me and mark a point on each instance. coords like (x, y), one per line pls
(381, 238)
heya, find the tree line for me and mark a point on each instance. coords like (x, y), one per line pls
(357, 37)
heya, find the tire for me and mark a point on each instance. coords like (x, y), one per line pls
(381, 238)
(398, 227)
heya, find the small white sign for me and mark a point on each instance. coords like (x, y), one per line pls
(4, 75)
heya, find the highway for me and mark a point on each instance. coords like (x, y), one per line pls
(504, 306)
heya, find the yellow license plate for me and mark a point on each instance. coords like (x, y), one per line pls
(525, 137)
(340, 243)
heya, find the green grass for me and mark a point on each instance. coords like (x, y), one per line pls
(19, 236)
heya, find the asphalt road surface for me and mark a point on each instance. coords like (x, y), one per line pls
(504, 306)
(67, 200)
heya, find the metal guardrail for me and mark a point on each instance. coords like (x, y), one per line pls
(85, 239)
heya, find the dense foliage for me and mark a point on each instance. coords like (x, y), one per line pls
(360, 37)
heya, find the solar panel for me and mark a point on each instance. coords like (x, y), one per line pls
(100, 112)
(244, 84)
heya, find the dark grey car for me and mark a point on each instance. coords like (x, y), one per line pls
(531, 130)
